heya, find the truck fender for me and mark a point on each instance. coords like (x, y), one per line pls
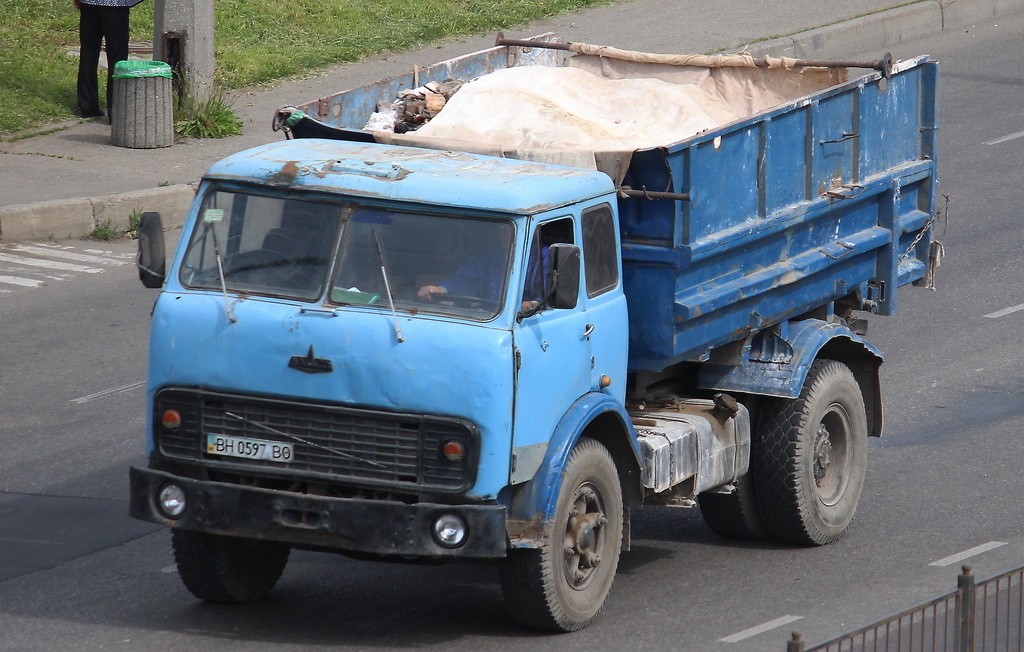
(531, 505)
(782, 374)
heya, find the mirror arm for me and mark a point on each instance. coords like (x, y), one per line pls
(540, 305)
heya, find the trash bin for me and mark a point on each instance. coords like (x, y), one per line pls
(142, 106)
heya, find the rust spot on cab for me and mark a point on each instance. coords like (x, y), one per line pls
(286, 175)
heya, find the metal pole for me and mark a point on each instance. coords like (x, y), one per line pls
(965, 611)
(626, 191)
(796, 644)
(883, 65)
(501, 40)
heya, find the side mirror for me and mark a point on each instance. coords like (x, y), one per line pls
(150, 259)
(564, 274)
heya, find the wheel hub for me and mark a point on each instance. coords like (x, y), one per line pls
(822, 454)
(584, 535)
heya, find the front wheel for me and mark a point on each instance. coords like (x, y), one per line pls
(217, 568)
(562, 586)
(813, 457)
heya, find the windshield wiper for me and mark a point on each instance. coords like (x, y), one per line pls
(220, 274)
(387, 286)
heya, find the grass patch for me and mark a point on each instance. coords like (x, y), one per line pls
(212, 118)
(31, 134)
(108, 232)
(105, 231)
(133, 225)
(256, 41)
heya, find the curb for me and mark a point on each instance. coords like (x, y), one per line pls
(877, 31)
(77, 218)
(886, 29)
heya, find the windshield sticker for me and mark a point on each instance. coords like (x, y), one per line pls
(213, 215)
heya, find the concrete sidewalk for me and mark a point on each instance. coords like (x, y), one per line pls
(69, 179)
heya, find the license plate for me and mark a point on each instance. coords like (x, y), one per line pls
(251, 449)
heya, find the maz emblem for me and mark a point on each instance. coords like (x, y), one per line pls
(311, 364)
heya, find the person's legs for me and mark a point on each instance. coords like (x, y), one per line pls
(115, 33)
(90, 38)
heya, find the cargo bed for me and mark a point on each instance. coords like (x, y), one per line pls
(726, 233)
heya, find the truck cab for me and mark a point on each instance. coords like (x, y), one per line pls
(361, 346)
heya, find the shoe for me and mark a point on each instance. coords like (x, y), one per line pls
(98, 113)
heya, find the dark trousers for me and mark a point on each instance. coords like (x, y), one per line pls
(95, 25)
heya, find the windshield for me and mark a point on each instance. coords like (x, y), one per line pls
(286, 247)
(432, 263)
(266, 245)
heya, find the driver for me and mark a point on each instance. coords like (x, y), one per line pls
(482, 276)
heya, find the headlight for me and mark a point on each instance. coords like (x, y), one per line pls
(171, 500)
(450, 530)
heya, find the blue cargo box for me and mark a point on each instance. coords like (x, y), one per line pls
(825, 198)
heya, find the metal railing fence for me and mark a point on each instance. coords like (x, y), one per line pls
(984, 616)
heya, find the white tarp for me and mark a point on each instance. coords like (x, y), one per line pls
(604, 106)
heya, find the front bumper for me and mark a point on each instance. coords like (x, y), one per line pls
(374, 527)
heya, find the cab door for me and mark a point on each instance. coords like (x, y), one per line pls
(604, 302)
(552, 352)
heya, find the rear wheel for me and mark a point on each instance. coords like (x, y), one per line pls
(562, 586)
(735, 515)
(217, 568)
(813, 457)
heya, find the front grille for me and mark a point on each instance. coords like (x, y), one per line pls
(332, 443)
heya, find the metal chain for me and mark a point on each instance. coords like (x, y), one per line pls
(936, 250)
(924, 229)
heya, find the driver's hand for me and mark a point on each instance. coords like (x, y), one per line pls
(427, 292)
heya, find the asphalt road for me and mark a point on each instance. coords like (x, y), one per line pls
(77, 573)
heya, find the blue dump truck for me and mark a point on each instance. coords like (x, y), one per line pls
(401, 347)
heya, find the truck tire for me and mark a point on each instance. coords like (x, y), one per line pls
(562, 586)
(813, 457)
(217, 568)
(735, 515)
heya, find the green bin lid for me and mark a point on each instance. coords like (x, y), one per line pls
(137, 68)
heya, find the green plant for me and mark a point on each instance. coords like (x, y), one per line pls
(30, 134)
(133, 224)
(210, 118)
(105, 231)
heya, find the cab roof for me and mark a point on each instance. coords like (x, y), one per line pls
(443, 178)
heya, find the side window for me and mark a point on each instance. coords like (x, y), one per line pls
(599, 252)
(546, 235)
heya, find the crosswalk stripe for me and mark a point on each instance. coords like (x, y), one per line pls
(69, 255)
(49, 264)
(23, 282)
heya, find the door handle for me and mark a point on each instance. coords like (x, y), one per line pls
(589, 330)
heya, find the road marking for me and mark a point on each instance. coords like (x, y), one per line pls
(760, 629)
(169, 569)
(23, 282)
(30, 265)
(1003, 139)
(108, 392)
(69, 255)
(971, 552)
(49, 264)
(1005, 311)
(34, 542)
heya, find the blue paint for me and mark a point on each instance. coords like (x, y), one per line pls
(784, 376)
(537, 498)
